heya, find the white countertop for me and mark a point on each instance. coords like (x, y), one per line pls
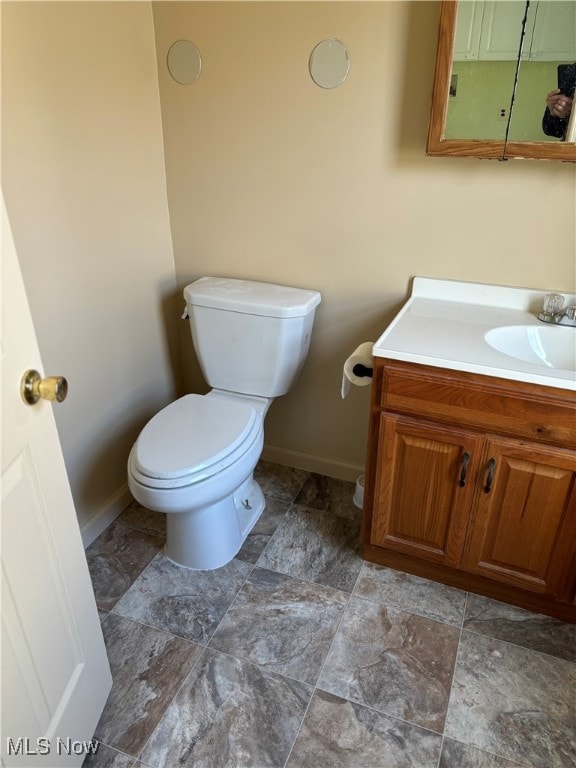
(443, 324)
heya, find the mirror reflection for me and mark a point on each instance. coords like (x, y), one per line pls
(557, 82)
(504, 64)
(504, 81)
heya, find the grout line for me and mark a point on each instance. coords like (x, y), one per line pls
(450, 695)
(234, 599)
(518, 645)
(114, 749)
(169, 704)
(205, 646)
(512, 761)
(299, 727)
(319, 675)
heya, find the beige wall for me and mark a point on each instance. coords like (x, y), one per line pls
(83, 177)
(272, 178)
(269, 177)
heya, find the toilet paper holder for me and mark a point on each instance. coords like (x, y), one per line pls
(357, 369)
(362, 370)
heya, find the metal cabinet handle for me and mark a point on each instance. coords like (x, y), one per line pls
(464, 469)
(490, 475)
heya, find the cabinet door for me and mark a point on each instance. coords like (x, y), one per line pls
(523, 531)
(468, 28)
(554, 36)
(424, 488)
(502, 31)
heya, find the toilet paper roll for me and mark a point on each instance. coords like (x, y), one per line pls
(362, 356)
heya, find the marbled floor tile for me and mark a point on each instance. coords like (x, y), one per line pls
(411, 593)
(148, 667)
(457, 755)
(396, 662)
(116, 558)
(260, 535)
(185, 602)
(515, 625)
(315, 546)
(229, 713)
(137, 516)
(279, 482)
(283, 624)
(330, 495)
(340, 734)
(105, 757)
(514, 702)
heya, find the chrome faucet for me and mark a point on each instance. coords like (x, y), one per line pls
(554, 311)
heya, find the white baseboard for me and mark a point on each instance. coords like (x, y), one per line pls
(103, 516)
(321, 465)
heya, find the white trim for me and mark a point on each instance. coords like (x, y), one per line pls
(321, 465)
(103, 516)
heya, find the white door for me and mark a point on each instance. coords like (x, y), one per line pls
(55, 672)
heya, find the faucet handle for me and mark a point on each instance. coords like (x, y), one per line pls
(553, 303)
(570, 312)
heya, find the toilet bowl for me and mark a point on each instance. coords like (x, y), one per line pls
(195, 460)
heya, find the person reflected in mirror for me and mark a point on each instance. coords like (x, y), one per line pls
(557, 114)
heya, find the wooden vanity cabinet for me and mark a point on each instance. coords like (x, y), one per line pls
(471, 480)
(422, 507)
(523, 531)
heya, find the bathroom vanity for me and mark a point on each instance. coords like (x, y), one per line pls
(471, 476)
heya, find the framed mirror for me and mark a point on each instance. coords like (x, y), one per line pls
(496, 62)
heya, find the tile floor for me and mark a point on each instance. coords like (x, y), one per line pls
(299, 654)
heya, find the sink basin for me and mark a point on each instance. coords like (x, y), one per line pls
(553, 346)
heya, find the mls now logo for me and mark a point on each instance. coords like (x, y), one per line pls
(26, 746)
(44, 746)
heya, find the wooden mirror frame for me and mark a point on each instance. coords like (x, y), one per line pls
(482, 148)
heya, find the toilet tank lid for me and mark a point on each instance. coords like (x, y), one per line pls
(250, 297)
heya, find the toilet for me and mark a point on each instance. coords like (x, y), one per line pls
(195, 459)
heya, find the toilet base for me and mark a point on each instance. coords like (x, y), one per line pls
(208, 538)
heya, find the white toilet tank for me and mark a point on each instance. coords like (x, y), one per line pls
(250, 337)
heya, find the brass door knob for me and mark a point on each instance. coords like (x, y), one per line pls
(33, 387)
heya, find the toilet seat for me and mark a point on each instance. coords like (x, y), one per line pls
(192, 439)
